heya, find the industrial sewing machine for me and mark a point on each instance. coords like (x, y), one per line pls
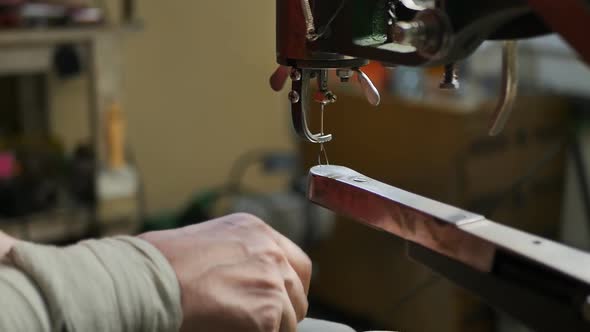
(542, 283)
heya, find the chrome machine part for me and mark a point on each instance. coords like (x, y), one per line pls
(344, 74)
(368, 88)
(429, 32)
(542, 283)
(324, 96)
(301, 75)
(297, 37)
(310, 30)
(509, 88)
(299, 97)
(417, 5)
(450, 79)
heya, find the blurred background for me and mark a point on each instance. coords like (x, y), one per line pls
(118, 117)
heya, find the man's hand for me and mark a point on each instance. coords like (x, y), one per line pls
(237, 274)
(6, 243)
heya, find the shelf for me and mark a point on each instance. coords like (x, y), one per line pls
(25, 51)
(49, 227)
(25, 60)
(50, 36)
(70, 225)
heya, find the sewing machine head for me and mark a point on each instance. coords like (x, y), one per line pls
(318, 36)
(315, 37)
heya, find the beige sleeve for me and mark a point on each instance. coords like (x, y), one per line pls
(119, 284)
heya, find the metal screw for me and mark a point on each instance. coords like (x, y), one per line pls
(331, 97)
(344, 74)
(428, 32)
(295, 75)
(325, 97)
(360, 179)
(392, 12)
(392, 18)
(294, 97)
(450, 79)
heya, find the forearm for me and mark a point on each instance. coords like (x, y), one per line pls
(126, 284)
(121, 284)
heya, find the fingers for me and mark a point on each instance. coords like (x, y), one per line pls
(292, 299)
(296, 257)
(250, 277)
(287, 301)
(289, 317)
(295, 291)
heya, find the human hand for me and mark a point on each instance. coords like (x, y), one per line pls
(237, 274)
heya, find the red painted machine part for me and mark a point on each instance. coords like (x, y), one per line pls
(570, 19)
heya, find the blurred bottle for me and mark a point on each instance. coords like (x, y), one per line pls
(115, 137)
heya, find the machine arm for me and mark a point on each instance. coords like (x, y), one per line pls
(544, 284)
(343, 35)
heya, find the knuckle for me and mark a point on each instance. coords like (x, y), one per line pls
(247, 218)
(273, 256)
(242, 246)
(268, 284)
(269, 278)
(254, 222)
(248, 222)
(292, 284)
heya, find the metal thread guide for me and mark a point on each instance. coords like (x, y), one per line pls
(323, 152)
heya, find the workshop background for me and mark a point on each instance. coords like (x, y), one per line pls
(121, 116)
